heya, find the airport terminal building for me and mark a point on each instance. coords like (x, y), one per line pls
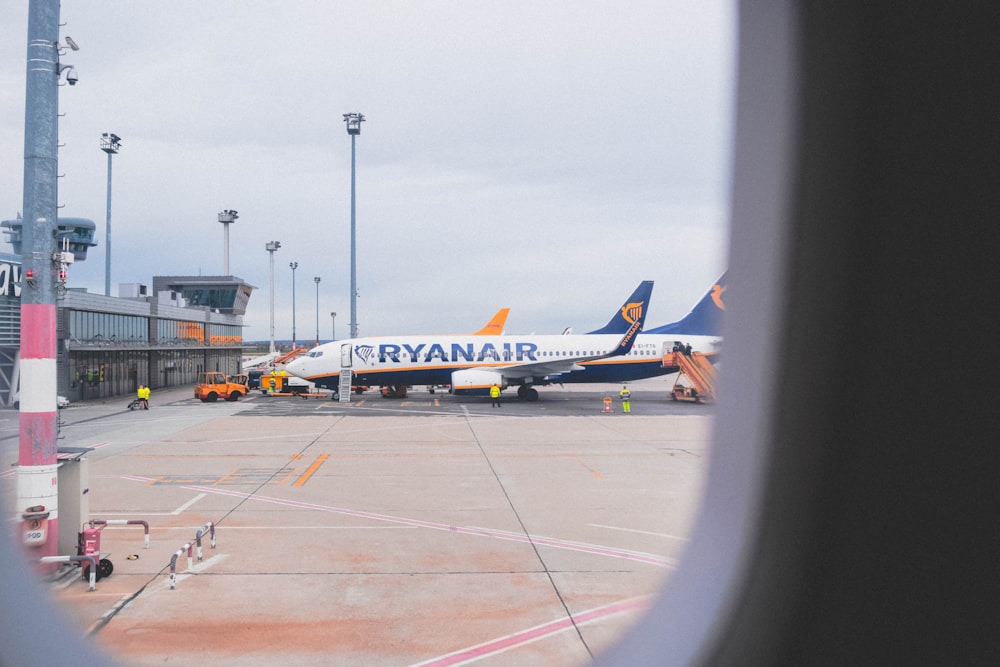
(108, 346)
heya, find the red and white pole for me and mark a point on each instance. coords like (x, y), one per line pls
(37, 481)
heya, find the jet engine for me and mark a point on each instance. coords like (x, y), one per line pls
(475, 382)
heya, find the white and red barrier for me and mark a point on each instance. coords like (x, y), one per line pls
(67, 559)
(173, 563)
(124, 522)
(189, 548)
(201, 531)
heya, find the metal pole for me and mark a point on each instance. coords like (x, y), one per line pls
(272, 246)
(107, 235)
(110, 143)
(354, 121)
(333, 327)
(37, 478)
(354, 264)
(317, 309)
(293, 266)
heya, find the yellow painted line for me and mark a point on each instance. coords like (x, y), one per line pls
(228, 475)
(313, 468)
(288, 476)
(590, 470)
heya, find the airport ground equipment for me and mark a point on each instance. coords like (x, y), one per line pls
(213, 385)
(271, 382)
(271, 378)
(90, 545)
(695, 377)
(394, 391)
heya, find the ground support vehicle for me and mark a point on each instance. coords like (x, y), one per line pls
(279, 383)
(213, 385)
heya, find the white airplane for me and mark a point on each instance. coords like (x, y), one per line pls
(471, 364)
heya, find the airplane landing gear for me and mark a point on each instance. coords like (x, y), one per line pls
(527, 393)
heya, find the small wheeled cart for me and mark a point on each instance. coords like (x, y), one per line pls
(90, 545)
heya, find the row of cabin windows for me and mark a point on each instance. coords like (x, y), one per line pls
(507, 354)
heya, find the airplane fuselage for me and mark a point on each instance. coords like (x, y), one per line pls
(519, 359)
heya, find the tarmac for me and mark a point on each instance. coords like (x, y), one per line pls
(426, 531)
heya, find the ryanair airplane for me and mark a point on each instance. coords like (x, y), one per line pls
(471, 364)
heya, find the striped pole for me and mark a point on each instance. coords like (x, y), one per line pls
(37, 483)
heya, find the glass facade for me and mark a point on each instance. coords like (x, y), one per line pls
(108, 346)
(107, 328)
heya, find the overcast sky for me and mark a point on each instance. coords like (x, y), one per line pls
(546, 157)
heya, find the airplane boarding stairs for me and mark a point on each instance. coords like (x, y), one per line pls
(695, 377)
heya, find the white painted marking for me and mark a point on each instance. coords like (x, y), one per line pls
(189, 503)
(197, 569)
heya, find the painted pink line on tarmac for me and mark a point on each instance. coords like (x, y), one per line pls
(559, 544)
(533, 634)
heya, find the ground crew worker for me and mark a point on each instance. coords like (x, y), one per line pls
(143, 393)
(495, 395)
(626, 397)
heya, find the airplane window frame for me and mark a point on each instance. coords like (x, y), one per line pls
(679, 627)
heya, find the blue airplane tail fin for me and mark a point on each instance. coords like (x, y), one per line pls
(634, 313)
(633, 309)
(705, 319)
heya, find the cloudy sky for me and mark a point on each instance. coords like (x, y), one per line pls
(546, 157)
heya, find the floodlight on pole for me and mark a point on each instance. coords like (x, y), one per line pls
(227, 218)
(293, 266)
(353, 121)
(317, 308)
(110, 144)
(271, 247)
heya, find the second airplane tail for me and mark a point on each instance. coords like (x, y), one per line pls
(634, 309)
(705, 319)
